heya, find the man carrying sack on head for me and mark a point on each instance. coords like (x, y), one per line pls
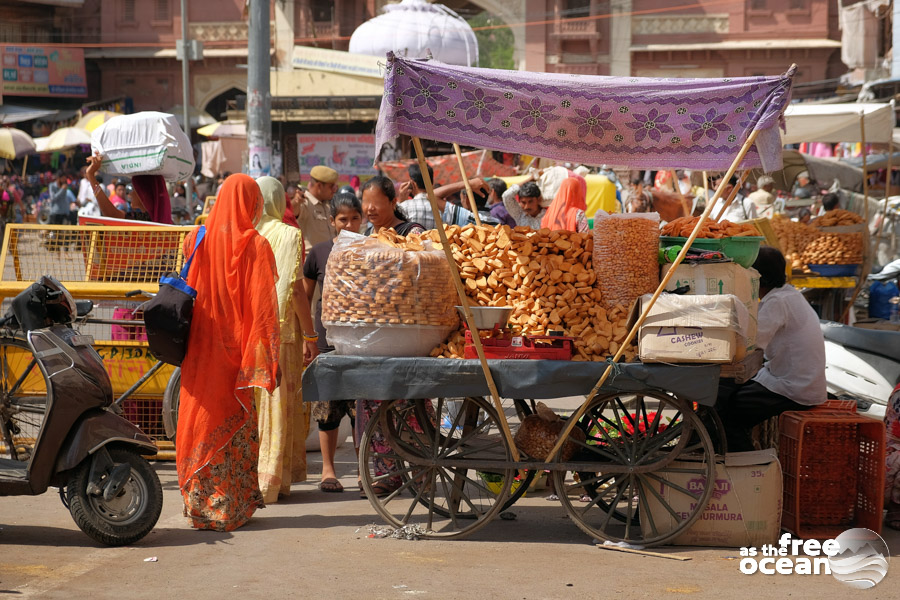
(314, 214)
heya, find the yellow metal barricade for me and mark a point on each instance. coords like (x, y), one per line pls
(102, 264)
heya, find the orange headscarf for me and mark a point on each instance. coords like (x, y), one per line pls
(234, 338)
(562, 213)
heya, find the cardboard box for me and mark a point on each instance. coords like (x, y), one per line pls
(744, 509)
(721, 278)
(691, 329)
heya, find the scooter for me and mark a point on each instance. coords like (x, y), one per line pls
(862, 365)
(82, 446)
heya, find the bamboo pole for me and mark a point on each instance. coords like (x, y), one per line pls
(732, 195)
(862, 136)
(677, 189)
(845, 314)
(463, 299)
(887, 192)
(571, 421)
(462, 170)
(705, 190)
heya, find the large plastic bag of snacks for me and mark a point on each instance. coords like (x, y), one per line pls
(387, 296)
(626, 251)
(145, 143)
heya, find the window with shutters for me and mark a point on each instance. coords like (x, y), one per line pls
(128, 10)
(161, 10)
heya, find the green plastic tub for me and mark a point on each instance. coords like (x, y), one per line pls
(743, 250)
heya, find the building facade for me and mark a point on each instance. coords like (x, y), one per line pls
(660, 38)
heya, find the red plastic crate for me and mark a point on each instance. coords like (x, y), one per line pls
(521, 347)
(836, 406)
(833, 464)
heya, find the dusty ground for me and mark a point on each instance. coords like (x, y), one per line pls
(316, 545)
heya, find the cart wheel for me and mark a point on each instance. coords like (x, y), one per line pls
(446, 500)
(643, 497)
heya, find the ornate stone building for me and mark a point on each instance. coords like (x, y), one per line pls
(711, 38)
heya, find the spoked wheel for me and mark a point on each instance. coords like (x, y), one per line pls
(420, 449)
(23, 397)
(658, 459)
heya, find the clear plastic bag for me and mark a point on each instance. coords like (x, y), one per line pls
(626, 250)
(383, 301)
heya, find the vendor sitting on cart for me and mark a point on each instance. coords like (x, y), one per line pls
(793, 376)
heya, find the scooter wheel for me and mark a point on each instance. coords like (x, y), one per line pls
(129, 516)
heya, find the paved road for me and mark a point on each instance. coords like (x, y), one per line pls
(316, 545)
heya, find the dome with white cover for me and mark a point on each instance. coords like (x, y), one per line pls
(414, 27)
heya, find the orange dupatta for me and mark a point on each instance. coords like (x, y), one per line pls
(234, 339)
(563, 212)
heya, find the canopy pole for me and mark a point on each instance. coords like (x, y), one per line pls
(24, 166)
(677, 189)
(887, 193)
(862, 136)
(573, 420)
(462, 170)
(732, 195)
(463, 299)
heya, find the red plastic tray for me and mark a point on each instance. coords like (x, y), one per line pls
(522, 347)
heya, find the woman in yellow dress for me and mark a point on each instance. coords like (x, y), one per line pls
(283, 417)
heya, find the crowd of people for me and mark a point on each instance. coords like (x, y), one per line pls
(259, 273)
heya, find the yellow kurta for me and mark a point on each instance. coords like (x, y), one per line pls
(283, 416)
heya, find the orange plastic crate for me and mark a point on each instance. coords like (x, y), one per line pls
(836, 406)
(833, 464)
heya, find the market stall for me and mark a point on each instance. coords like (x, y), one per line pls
(458, 458)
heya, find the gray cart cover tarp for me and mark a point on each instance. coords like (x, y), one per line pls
(333, 377)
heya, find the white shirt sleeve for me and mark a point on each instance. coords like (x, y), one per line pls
(512, 205)
(772, 317)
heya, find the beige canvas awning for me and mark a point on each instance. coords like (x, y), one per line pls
(835, 123)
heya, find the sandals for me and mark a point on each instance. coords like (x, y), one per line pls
(331, 485)
(380, 489)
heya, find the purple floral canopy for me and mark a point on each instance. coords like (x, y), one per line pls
(638, 122)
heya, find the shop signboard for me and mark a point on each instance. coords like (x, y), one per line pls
(43, 71)
(348, 154)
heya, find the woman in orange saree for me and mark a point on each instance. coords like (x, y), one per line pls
(233, 347)
(567, 210)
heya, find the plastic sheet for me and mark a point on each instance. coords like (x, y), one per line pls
(378, 300)
(145, 143)
(626, 248)
(332, 377)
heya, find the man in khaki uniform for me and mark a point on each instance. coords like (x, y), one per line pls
(314, 214)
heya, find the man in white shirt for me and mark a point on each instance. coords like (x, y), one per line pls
(793, 376)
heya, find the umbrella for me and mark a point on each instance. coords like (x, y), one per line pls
(94, 119)
(198, 117)
(225, 129)
(15, 143)
(63, 138)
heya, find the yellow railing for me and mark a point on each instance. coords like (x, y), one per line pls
(91, 261)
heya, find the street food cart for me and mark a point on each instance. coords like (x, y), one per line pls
(639, 444)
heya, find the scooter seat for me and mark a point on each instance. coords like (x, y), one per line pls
(874, 341)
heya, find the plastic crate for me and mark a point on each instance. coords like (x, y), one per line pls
(833, 465)
(841, 406)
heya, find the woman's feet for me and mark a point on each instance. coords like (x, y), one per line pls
(331, 485)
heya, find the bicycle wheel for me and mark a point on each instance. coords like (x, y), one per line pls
(23, 397)
(170, 404)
